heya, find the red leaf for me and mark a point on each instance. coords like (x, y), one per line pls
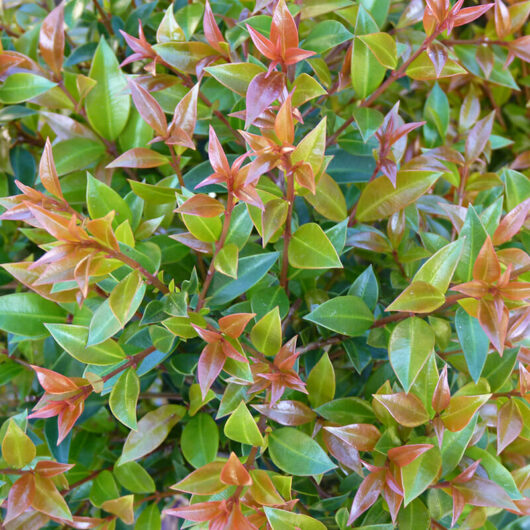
(139, 157)
(361, 436)
(234, 472)
(182, 125)
(211, 363)
(343, 452)
(467, 474)
(442, 395)
(509, 425)
(198, 513)
(211, 30)
(67, 418)
(287, 412)
(261, 92)
(53, 382)
(284, 124)
(206, 334)
(51, 39)
(367, 494)
(284, 32)
(478, 136)
(458, 505)
(406, 409)
(468, 14)
(233, 325)
(406, 454)
(20, 496)
(264, 45)
(511, 223)
(521, 48)
(148, 108)
(48, 173)
(217, 156)
(494, 325)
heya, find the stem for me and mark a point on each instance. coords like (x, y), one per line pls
(287, 233)
(106, 21)
(175, 164)
(218, 246)
(394, 76)
(133, 361)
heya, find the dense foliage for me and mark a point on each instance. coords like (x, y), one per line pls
(265, 264)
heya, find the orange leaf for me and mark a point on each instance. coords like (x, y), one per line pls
(184, 119)
(367, 494)
(53, 382)
(406, 409)
(47, 468)
(201, 205)
(234, 472)
(263, 90)
(487, 267)
(211, 363)
(284, 32)
(20, 496)
(509, 425)
(442, 395)
(284, 125)
(494, 325)
(461, 410)
(467, 474)
(203, 481)
(211, 30)
(67, 418)
(217, 155)
(521, 48)
(47, 171)
(511, 223)
(139, 157)
(233, 325)
(51, 39)
(148, 108)
(198, 513)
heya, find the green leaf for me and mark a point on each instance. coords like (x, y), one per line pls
(75, 154)
(17, 448)
(474, 342)
(347, 410)
(133, 477)
(226, 260)
(438, 270)
(498, 369)
(124, 398)
(415, 516)
(347, 315)
(436, 111)
(22, 86)
(266, 334)
(103, 324)
(422, 69)
(383, 46)
(107, 106)
(326, 35)
(207, 229)
(298, 454)
(368, 121)
(420, 474)
(369, 72)
(235, 76)
(410, 346)
(454, 444)
(127, 296)
(418, 297)
(157, 423)
(310, 248)
(321, 382)
(102, 199)
(242, 428)
(73, 339)
(306, 88)
(251, 270)
(366, 287)
(311, 149)
(184, 56)
(150, 518)
(103, 488)
(475, 234)
(328, 200)
(199, 441)
(380, 199)
(26, 313)
(283, 520)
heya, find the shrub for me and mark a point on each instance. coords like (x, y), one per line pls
(271, 269)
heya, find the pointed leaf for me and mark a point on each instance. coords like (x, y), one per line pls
(124, 397)
(242, 428)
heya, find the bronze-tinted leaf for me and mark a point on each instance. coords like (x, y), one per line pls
(51, 39)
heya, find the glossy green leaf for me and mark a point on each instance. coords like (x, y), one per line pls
(368, 121)
(76, 153)
(297, 453)
(199, 441)
(366, 287)
(383, 46)
(127, 296)
(310, 248)
(17, 448)
(22, 86)
(73, 339)
(436, 111)
(284, 520)
(107, 106)
(266, 334)
(475, 234)
(241, 427)
(235, 76)
(410, 346)
(102, 199)
(474, 342)
(348, 315)
(418, 297)
(321, 382)
(133, 477)
(124, 398)
(226, 260)
(326, 35)
(420, 474)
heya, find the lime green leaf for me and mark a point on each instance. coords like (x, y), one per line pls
(266, 335)
(102, 199)
(368, 71)
(76, 153)
(283, 520)
(149, 519)
(22, 86)
(368, 120)
(420, 474)
(321, 382)
(474, 342)
(326, 35)
(475, 234)
(418, 297)
(17, 448)
(297, 453)
(242, 428)
(235, 76)
(328, 200)
(380, 199)
(133, 477)
(127, 296)
(383, 46)
(226, 260)
(310, 248)
(73, 339)
(411, 344)
(306, 88)
(124, 397)
(106, 105)
(311, 148)
(348, 315)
